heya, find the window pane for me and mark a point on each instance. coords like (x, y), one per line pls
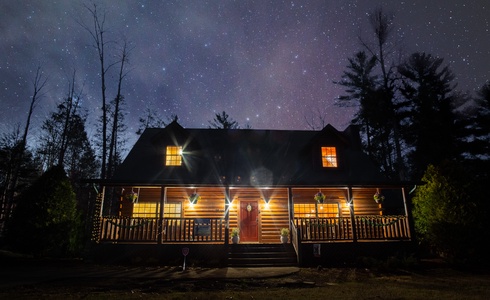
(329, 157)
(172, 210)
(145, 210)
(173, 156)
(312, 210)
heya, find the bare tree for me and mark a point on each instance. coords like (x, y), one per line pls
(382, 26)
(118, 101)
(316, 120)
(71, 106)
(17, 154)
(97, 31)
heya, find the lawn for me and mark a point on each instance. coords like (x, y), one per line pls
(429, 282)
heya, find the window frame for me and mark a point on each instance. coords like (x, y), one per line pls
(332, 210)
(329, 157)
(173, 156)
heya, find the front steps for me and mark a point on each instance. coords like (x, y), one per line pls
(261, 255)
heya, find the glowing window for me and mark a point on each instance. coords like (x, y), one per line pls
(172, 210)
(313, 210)
(173, 156)
(145, 210)
(329, 157)
(150, 210)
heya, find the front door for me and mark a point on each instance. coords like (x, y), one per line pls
(249, 222)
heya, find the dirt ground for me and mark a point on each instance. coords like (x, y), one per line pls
(36, 280)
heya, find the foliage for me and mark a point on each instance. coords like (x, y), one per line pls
(223, 121)
(45, 221)
(285, 231)
(427, 121)
(473, 125)
(378, 197)
(235, 231)
(449, 211)
(64, 141)
(319, 197)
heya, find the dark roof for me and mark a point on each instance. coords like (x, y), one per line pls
(247, 157)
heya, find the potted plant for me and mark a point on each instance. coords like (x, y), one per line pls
(194, 198)
(133, 197)
(284, 235)
(378, 197)
(235, 237)
(319, 197)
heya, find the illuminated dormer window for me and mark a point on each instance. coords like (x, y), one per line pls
(329, 157)
(173, 156)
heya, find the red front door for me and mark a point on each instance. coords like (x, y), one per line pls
(249, 223)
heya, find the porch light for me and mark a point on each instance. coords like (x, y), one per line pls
(266, 204)
(194, 198)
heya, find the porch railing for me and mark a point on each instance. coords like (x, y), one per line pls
(195, 230)
(321, 229)
(169, 230)
(119, 229)
(382, 227)
(369, 227)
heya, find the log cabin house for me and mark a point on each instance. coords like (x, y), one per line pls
(182, 192)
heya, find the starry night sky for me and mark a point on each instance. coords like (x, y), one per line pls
(269, 64)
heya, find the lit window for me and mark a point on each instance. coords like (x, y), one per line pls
(312, 210)
(173, 156)
(150, 210)
(172, 210)
(145, 210)
(329, 157)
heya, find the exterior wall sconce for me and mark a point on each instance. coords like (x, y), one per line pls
(194, 198)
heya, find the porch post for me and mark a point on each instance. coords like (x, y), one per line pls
(350, 202)
(102, 196)
(160, 215)
(227, 215)
(290, 204)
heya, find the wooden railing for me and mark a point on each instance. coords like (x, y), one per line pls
(322, 229)
(296, 241)
(371, 227)
(117, 229)
(195, 230)
(382, 227)
(128, 229)
(170, 230)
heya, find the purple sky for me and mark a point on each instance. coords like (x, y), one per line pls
(266, 63)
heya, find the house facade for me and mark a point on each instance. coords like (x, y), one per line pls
(188, 189)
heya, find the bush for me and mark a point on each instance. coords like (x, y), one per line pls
(45, 221)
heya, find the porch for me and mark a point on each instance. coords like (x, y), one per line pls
(215, 231)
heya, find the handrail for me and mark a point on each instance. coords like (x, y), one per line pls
(295, 240)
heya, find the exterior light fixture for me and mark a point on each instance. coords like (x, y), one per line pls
(194, 198)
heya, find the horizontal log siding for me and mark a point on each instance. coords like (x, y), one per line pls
(210, 206)
(364, 203)
(274, 217)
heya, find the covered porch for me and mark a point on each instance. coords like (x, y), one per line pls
(163, 215)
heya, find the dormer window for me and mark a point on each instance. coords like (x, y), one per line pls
(173, 156)
(329, 157)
